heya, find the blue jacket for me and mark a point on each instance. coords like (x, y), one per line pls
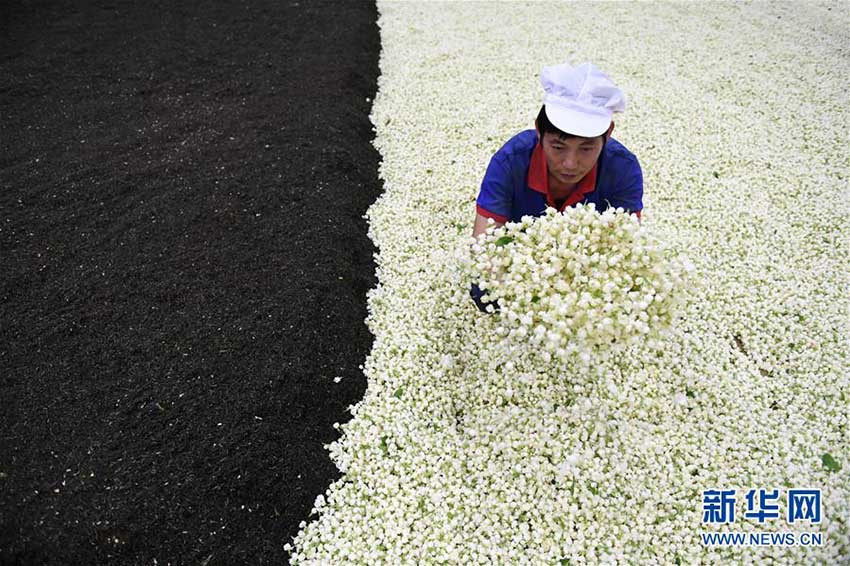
(515, 183)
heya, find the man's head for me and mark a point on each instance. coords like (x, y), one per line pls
(568, 157)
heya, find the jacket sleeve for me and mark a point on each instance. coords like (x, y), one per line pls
(629, 192)
(496, 195)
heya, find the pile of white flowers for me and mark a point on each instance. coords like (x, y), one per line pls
(464, 452)
(579, 283)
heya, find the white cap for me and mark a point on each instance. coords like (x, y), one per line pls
(580, 100)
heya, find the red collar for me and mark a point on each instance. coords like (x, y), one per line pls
(538, 179)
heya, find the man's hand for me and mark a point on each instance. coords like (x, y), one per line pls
(476, 293)
(481, 225)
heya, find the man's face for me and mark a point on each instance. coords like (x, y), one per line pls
(568, 160)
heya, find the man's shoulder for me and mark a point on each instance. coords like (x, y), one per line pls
(518, 148)
(619, 155)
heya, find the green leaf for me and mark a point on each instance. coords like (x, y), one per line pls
(593, 490)
(535, 299)
(716, 174)
(384, 448)
(504, 240)
(830, 463)
(398, 392)
(564, 562)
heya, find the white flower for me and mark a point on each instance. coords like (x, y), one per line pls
(447, 361)
(603, 464)
(544, 297)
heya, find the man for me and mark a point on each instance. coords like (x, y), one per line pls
(568, 158)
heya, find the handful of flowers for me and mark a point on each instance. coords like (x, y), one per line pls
(577, 282)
